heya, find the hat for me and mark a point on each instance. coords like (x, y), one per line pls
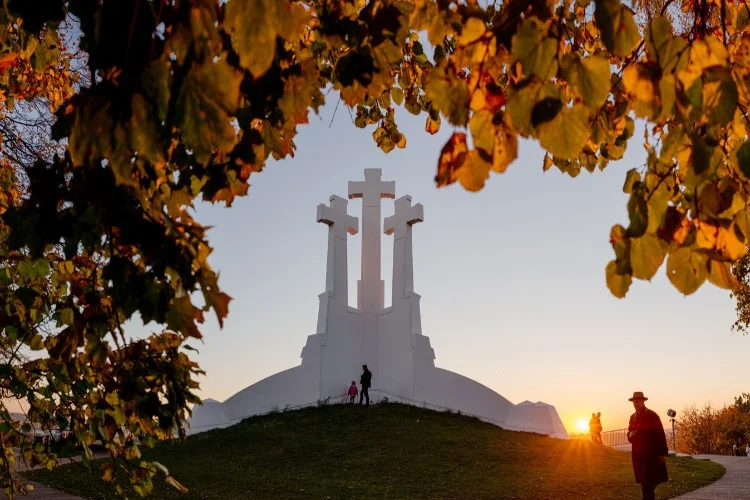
(638, 395)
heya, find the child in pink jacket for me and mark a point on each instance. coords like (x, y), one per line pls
(353, 392)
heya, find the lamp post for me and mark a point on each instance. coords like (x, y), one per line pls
(672, 414)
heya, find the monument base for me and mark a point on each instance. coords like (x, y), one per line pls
(434, 388)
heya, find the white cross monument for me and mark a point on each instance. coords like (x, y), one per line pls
(389, 340)
(333, 302)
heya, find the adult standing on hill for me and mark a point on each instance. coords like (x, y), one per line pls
(365, 381)
(646, 434)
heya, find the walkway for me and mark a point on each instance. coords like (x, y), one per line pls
(735, 483)
(42, 492)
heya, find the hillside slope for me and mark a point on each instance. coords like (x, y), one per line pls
(389, 450)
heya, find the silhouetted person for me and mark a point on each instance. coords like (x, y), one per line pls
(646, 434)
(598, 427)
(365, 381)
(592, 427)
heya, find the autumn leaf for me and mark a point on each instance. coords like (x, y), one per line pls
(473, 172)
(536, 51)
(618, 284)
(433, 124)
(686, 269)
(589, 77)
(566, 133)
(452, 157)
(618, 29)
(207, 100)
(255, 25)
(646, 255)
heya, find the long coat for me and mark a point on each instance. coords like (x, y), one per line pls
(366, 379)
(649, 443)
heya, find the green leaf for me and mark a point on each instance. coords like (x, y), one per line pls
(33, 269)
(646, 255)
(719, 95)
(155, 82)
(254, 26)
(619, 31)
(536, 51)
(66, 316)
(658, 34)
(618, 284)
(638, 213)
(686, 269)
(664, 48)
(450, 95)
(565, 135)
(207, 100)
(743, 159)
(589, 77)
(47, 53)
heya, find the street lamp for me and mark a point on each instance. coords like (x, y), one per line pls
(672, 414)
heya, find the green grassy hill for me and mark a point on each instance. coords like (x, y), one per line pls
(389, 450)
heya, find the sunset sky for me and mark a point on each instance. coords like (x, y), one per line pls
(511, 278)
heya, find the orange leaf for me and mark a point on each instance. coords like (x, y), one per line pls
(451, 158)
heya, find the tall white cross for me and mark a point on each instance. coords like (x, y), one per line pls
(339, 224)
(399, 225)
(372, 190)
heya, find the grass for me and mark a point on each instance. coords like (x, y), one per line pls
(389, 450)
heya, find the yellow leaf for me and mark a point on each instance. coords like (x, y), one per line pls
(472, 31)
(432, 126)
(473, 172)
(618, 284)
(506, 149)
(547, 163)
(686, 269)
(646, 255)
(720, 274)
(729, 244)
(565, 135)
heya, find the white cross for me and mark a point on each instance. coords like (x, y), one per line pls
(337, 217)
(372, 189)
(405, 215)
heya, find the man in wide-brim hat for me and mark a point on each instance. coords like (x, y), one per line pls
(646, 434)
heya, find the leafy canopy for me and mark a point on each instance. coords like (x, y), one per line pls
(189, 98)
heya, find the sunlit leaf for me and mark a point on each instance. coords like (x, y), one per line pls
(589, 77)
(618, 284)
(474, 171)
(566, 133)
(686, 269)
(452, 157)
(646, 255)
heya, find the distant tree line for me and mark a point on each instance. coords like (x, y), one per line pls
(709, 430)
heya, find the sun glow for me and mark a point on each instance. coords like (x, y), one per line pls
(582, 425)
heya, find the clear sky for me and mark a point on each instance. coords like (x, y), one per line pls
(511, 279)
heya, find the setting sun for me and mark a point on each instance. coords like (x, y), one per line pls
(582, 425)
